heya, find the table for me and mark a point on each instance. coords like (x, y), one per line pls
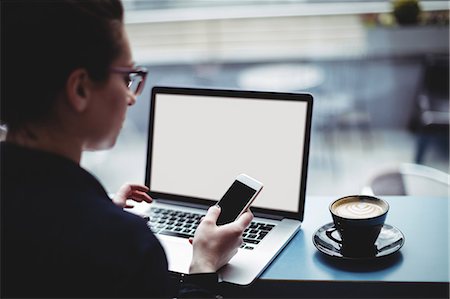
(419, 269)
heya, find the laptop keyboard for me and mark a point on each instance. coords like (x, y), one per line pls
(183, 224)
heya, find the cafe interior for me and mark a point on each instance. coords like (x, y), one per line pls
(380, 83)
(378, 72)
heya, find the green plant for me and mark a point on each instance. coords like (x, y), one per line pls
(406, 12)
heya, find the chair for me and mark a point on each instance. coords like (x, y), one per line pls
(431, 117)
(408, 179)
(2, 133)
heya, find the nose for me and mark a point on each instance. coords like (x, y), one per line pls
(131, 99)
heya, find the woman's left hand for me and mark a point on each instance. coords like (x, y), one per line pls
(134, 192)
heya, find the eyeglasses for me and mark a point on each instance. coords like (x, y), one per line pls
(133, 77)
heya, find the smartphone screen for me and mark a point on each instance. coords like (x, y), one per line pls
(234, 200)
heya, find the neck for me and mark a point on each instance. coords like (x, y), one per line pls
(43, 138)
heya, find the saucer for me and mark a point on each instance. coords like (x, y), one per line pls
(389, 242)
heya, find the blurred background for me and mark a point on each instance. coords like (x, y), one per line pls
(378, 71)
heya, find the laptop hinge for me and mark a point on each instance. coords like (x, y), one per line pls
(200, 206)
(182, 204)
(263, 215)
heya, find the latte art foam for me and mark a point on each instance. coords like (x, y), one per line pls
(358, 210)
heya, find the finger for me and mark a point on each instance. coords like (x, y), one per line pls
(245, 219)
(191, 240)
(139, 187)
(128, 206)
(140, 196)
(212, 214)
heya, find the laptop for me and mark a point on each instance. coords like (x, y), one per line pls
(199, 140)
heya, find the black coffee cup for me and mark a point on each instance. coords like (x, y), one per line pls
(359, 220)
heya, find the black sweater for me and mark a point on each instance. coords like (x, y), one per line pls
(62, 236)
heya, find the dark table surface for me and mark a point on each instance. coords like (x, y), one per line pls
(419, 269)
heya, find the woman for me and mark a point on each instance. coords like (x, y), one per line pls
(67, 79)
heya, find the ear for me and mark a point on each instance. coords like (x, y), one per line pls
(78, 87)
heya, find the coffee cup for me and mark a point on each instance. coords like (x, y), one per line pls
(358, 219)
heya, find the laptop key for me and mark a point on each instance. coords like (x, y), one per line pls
(174, 234)
(260, 237)
(266, 228)
(251, 241)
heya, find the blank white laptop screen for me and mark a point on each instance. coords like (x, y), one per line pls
(201, 143)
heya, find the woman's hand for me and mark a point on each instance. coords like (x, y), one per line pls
(214, 245)
(135, 192)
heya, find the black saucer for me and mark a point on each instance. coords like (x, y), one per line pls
(389, 242)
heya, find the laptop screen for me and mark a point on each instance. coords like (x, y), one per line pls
(201, 139)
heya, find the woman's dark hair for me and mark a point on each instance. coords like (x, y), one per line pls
(43, 41)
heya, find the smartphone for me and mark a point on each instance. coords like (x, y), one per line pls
(238, 198)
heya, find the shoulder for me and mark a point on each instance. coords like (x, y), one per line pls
(58, 221)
